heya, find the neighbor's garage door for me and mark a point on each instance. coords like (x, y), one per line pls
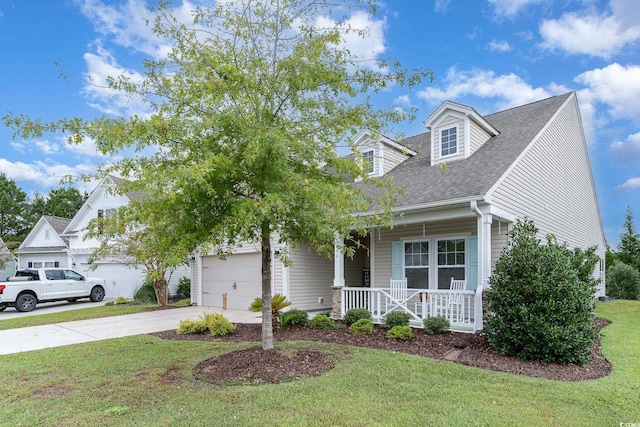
(238, 276)
(120, 280)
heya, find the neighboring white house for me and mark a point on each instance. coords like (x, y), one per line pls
(466, 181)
(63, 242)
(10, 266)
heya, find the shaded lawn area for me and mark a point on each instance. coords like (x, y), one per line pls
(144, 381)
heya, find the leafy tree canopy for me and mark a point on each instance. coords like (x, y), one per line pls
(629, 246)
(13, 203)
(249, 108)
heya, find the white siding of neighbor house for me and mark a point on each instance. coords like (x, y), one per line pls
(276, 274)
(310, 278)
(61, 258)
(383, 238)
(447, 123)
(477, 137)
(45, 236)
(552, 184)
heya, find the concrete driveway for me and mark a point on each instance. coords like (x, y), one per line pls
(81, 331)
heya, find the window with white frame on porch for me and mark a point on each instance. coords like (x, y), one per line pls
(416, 264)
(451, 261)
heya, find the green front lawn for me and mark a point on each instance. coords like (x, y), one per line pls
(140, 381)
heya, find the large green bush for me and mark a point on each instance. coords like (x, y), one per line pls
(541, 299)
(354, 314)
(184, 287)
(623, 281)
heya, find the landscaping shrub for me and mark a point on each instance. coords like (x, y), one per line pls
(145, 293)
(400, 333)
(354, 314)
(278, 302)
(321, 321)
(435, 325)
(361, 327)
(184, 287)
(192, 327)
(218, 325)
(396, 318)
(541, 299)
(294, 317)
(623, 281)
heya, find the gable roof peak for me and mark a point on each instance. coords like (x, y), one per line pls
(469, 112)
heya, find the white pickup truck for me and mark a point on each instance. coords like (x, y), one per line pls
(32, 286)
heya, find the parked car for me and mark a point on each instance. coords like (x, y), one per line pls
(32, 286)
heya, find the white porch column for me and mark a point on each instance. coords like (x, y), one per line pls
(338, 262)
(487, 220)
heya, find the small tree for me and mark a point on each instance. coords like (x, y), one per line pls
(623, 281)
(629, 246)
(541, 299)
(140, 237)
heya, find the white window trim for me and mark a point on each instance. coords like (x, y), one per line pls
(429, 241)
(457, 128)
(438, 266)
(373, 161)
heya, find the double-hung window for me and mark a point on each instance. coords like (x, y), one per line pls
(451, 261)
(416, 264)
(449, 141)
(367, 162)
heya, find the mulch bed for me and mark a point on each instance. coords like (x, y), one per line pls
(254, 365)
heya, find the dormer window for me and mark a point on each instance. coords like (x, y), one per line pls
(449, 141)
(367, 162)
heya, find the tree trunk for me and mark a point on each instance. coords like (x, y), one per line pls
(267, 323)
(161, 288)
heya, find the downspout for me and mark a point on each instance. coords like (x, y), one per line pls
(477, 303)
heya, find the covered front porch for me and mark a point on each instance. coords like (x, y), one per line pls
(428, 250)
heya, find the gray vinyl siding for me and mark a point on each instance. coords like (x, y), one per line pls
(182, 271)
(195, 281)
(382, 262)
(392, 158)
(310, 278)
(499, 238)
(277, 277)
(477, 137)
(552, 185)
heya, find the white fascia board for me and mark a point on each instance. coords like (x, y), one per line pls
(441, 112)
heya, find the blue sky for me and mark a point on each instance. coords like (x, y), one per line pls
(489, 54)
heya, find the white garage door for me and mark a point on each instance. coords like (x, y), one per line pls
(120, 280)
(239, 276)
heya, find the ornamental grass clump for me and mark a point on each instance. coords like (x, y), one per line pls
(403, 333)
(541, 299)
(361, 327)
(218, 325)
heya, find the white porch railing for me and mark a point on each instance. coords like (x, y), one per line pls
(458, 307)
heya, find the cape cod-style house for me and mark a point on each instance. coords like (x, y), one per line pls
(466, 181)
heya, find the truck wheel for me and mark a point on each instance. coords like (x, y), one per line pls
(26, 302)
(97, 294)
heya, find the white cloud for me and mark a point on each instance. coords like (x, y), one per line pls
(42, 174)
(631, 184)
(510, 8)
(499, 46)
(126, 24)
(362, 48)
(46, 147)
(629, 150)
(101, 67)
(509, 89)
(442, 6)
(616, 86)
(589, 33)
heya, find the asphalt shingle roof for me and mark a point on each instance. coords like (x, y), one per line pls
(475, 175)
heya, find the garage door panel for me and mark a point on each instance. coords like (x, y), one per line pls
(239, 276)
